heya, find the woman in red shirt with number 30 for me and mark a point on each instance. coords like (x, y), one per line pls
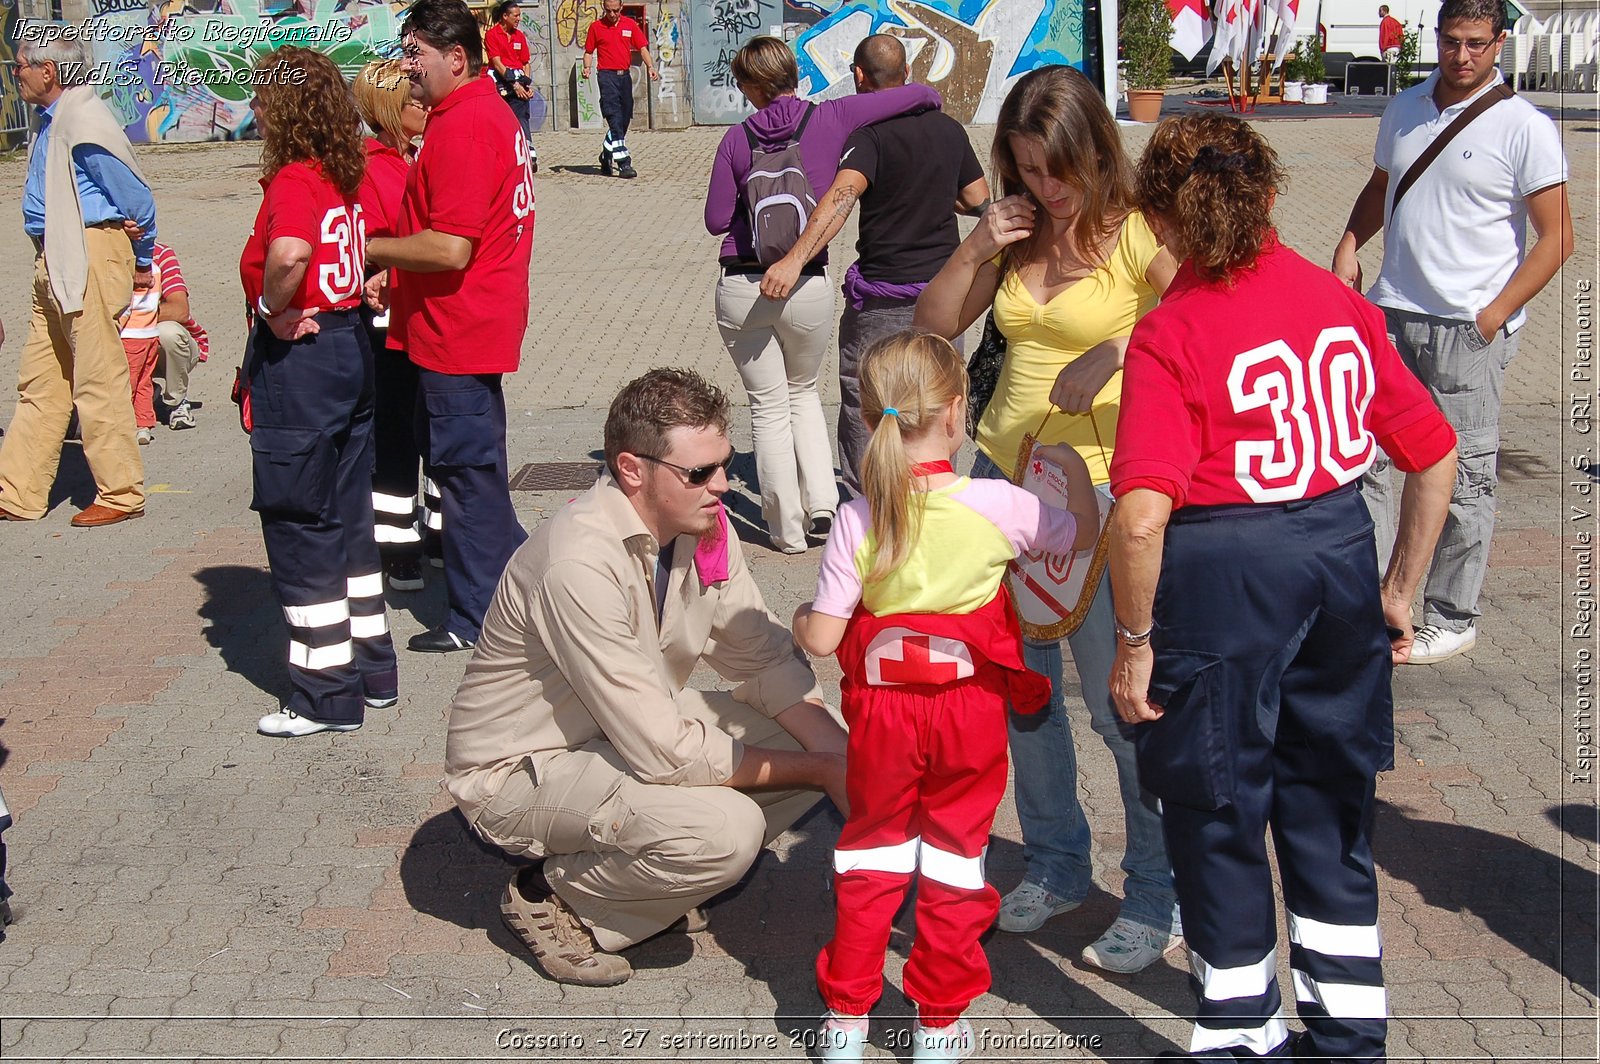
(311, 393)
(1252, 650)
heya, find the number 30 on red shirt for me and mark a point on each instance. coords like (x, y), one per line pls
(1318, 412)
(344, 229)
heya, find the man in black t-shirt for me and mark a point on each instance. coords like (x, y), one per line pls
(911, 173)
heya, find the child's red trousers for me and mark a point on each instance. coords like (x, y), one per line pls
(925, 697)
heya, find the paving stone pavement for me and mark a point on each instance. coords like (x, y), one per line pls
(187, 888)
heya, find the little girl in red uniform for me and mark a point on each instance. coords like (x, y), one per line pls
(911, 597)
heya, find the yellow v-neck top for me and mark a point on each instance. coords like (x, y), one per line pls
(1042, 340)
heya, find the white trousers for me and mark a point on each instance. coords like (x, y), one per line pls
(778, 347)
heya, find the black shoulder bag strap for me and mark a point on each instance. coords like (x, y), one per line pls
(1500, 92)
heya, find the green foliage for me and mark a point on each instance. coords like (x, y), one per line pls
(1147, 43)
(1294, 65)
(1410, 50)
(1312, 69)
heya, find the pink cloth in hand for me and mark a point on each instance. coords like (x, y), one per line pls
(711, 553)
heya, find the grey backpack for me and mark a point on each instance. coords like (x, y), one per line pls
(778, 194)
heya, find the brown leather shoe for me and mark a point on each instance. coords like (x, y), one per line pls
(97, 515)
(7, 515)
(562, 946)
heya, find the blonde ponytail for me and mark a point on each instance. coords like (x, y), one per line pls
(907, 381)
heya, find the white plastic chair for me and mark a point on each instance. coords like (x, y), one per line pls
(1510, 52)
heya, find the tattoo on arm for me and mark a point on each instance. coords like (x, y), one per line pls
(843, 201)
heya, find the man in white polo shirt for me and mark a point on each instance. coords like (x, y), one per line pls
(1457, 272)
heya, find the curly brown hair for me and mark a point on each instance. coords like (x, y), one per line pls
(308, 114)
(1211, 180)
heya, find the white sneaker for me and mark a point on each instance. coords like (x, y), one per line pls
(1129, 946)
(145, 437)
(1436, 644)
(287, 724)
(1029, 906)
(181, 417)
(942, 1045)
(842, 1039)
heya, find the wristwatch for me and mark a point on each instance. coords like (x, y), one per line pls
(262, 308)
(1134, 639)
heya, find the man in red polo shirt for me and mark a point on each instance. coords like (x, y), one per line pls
(616, 37)
(505, 48)
(458, 285)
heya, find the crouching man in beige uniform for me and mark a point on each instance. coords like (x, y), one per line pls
(572, 737)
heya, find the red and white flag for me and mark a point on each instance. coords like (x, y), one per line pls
(1191, 26)
(1227, 32)
(1282, 30)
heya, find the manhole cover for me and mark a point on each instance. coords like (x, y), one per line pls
(556, 476)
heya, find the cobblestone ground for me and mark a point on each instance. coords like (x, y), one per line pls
(188, 888)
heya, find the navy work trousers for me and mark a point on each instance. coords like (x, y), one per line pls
(461, 431)
(396, 511)
(311, 452)
(1272, 663)
(616, 107)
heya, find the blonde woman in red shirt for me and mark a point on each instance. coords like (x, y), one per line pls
(396, 119)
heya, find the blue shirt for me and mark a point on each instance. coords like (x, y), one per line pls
(107, 190)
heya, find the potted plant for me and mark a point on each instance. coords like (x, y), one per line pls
(1312, 70)
(1409, 51)
(1294, 81)
(1147, 55)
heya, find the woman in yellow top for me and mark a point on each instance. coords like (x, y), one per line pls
(1068, 265)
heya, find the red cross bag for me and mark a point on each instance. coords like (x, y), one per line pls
(1053, 592)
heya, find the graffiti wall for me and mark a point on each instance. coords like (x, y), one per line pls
(172, 72)
(970, 50)
(536, 27)
(717, 29)
(179, 69)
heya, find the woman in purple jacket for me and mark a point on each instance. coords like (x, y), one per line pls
(778, 345)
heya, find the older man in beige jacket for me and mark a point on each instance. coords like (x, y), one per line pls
(83, 187)
(573, 739)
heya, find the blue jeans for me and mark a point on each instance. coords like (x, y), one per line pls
(1055, 833)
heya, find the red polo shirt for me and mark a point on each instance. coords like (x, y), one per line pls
(1275, 386)
(383, 187)
(300, 202)
(472, 180)
(616, 44)
(510, 48)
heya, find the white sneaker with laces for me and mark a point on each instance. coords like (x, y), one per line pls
(1028, 906)
(842, 1039)
(181, 417)
(1129, 946)
(1436, 644)
(145, 437)
(942, 1045)
(287, 724)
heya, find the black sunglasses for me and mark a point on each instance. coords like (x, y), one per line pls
(697, 476)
